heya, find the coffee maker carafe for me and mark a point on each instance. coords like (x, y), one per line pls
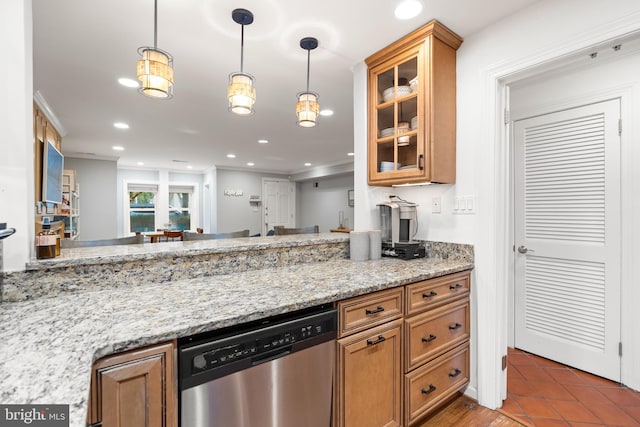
(399, 225)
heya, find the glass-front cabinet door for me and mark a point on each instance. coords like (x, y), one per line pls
(412, 108)
(397, 148)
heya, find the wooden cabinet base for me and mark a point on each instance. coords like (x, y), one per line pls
(135, 388)
(369, 377)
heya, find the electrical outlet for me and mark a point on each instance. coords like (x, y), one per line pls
(436, 205)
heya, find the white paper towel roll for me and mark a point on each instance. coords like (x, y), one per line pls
(375, 244)
(359, 245)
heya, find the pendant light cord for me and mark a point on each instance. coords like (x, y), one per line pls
(308, 67)
(155, 24)
(242, 48)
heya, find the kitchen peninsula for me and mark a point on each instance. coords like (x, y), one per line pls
(60, 315)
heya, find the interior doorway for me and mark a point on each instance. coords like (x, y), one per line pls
(279, 203)
(567, 236)
(611, 79)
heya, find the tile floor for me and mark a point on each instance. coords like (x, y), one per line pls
(543, 393)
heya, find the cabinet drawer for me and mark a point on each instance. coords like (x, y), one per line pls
(359, 313)
(434, 292)
(435, 382)
(432, 333)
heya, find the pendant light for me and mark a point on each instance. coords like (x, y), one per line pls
(307, 107)
(241, 93)
(155, 69)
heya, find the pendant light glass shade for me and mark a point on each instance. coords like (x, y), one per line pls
(155, 69)
(155, 72)
(307, 109)
(241, 93)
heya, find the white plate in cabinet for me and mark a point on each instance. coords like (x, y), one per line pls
(434, 332)
(360, 313)
(434, 292)
(435, 382)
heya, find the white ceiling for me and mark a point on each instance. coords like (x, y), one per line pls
(82, 47)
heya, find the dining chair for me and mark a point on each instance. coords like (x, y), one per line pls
(281, 231)
(173, 235)
(130, 240)
(209, 236)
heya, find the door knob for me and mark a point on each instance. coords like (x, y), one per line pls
(524, 250)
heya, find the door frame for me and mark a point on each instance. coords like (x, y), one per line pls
(494, 241)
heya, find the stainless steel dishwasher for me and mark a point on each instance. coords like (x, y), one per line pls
(276, 372)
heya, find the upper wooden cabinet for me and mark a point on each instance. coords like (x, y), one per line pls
(412, 108)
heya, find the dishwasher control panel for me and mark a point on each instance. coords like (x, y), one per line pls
(244, 348)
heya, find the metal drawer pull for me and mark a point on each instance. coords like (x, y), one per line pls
(456, 286)
(378, 309)
(455, 373)
(429, 295)
(431, 389)
(454, 327)
(378, 341)
(429, 339)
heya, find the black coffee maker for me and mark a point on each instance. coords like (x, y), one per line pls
(399, 225)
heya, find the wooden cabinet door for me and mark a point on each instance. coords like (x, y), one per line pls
(135, 389)
(369, 376)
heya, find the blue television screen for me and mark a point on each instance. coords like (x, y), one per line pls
(52, 167)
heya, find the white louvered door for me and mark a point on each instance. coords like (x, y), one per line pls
(567, 237)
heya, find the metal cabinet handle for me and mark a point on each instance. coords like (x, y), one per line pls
(421, 162)
(430, 338)
(456, 286)
(431, 389)
(430, 295)
(454, 327)
(455, 373)
(378, 309)
(377, 341)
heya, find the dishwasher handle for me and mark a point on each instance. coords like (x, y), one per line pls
(276, 354)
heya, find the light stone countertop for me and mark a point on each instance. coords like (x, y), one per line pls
(49, 344)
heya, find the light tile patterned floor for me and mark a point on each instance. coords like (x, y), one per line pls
(543, 393)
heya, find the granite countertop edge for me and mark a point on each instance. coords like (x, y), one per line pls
(50, 344)
(154, 251)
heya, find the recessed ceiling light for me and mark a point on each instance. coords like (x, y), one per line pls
(128, 82)
(250, 164)
(351, 154)
(120, 125)
(408, 9)
(140, 163)
(263, 141)
(326, 113)
(231, 156)
(118, 148)
(307, 164)
(189, 167)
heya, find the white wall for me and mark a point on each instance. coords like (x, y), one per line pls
(320, 205)
(16, 128)
(546, 30)
(234, 212)
(97, 181)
